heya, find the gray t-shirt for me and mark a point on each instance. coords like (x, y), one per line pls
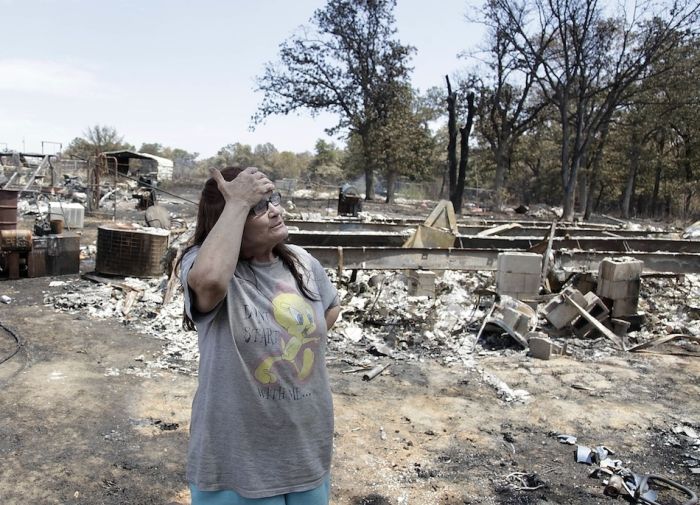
(262, 416)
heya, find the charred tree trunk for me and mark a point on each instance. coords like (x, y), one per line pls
(457, 189)
(464, 132)
(452, 138)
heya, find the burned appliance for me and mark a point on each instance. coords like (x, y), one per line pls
(349, 201)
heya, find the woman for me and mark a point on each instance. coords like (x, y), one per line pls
(262, 417)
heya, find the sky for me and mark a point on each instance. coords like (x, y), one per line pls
(180, 73)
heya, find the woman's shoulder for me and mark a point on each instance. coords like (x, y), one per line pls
(302, 255)
(190, 253)
(298, 251)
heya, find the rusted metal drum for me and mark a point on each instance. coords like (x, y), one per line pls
(15, 240)
(128, 251)
(56, 226)
(8, 209)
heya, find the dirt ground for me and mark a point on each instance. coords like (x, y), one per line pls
(426, 431)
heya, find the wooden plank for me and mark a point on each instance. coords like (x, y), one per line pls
(442, 216)
(428, 237)
(597, 324)
(497, 230)
(546, 260)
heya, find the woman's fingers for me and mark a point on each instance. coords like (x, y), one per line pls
(251, 185)
(218, 178)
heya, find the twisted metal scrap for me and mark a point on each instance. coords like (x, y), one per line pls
(522, 481)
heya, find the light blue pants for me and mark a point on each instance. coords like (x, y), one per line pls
(317, 496)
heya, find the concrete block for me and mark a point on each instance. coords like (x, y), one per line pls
(637, 321)
(619, 326)
(559, 313)
(520, 262)
(615, 290)
(593, 303)
(508, 282)
(625, 307)
(531, 283)
(516, 320)
(585, 282)
(596, 308)
(517, 284)
(620, 269)
(541, 347)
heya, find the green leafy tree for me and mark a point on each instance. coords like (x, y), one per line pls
(95, 140)
(184, 162)
(290, 165)
(153, 148)
(348, 63)
(402, 144)
(234, 154)
(326, 163)
(264, 156)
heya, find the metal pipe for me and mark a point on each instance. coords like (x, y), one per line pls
(374, 372)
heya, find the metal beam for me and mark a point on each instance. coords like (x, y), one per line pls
(654, 262)
(379, 239)
(541, 230)
(396, 258)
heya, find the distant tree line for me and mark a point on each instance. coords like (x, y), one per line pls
(575, 103)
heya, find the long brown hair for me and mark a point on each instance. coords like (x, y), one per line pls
(211, 205)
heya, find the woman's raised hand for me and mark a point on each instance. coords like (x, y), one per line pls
(250, 186)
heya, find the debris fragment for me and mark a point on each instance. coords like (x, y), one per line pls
(504, 391)
(375, 371)
(567, 439)
(514, 317)
(623, 482)
(523, 481)
(541, 347)
(663, 340)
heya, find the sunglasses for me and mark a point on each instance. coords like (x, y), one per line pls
(261, 207)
